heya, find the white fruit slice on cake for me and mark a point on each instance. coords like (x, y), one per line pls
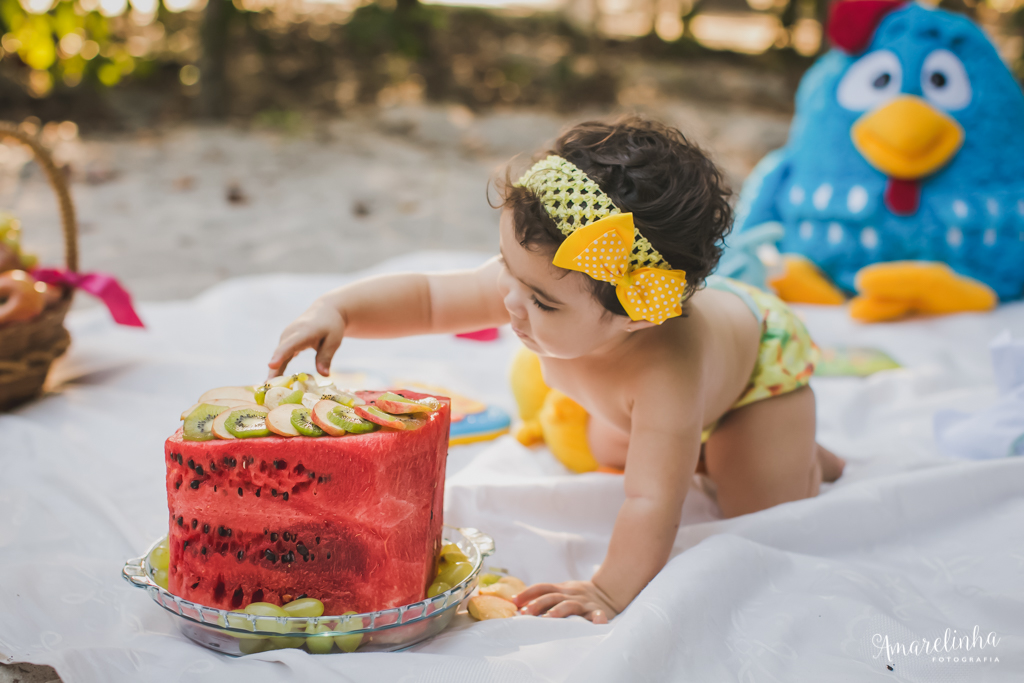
(319, 416)
(279, 420)
(238, 393)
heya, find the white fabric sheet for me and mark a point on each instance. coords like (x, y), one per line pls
(907, 545)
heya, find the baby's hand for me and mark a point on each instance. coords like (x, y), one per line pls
(321, 327)
(566, 599)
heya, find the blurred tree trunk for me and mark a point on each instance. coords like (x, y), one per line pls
(213, 38)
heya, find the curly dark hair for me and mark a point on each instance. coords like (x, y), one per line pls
(676, 194)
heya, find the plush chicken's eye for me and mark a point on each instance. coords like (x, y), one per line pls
(873, 79)
(944, 80)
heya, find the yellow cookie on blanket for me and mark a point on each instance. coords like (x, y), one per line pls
(549, 416)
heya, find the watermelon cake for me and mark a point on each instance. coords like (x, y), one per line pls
(306, 492)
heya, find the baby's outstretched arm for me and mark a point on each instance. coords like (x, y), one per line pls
(394, 306)
(664, 446)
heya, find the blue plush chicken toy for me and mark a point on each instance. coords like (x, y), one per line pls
(903, 176)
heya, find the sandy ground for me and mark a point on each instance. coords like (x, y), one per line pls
(173, 212)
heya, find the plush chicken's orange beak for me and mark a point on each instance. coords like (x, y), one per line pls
(907, 138)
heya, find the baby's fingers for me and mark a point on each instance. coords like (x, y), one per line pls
(533, 592)
(542, 604)
(324, 355)
(285, 351)
(566, 608)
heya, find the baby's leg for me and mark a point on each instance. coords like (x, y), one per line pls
(764, 454)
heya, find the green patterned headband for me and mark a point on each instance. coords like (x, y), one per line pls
(573, 201)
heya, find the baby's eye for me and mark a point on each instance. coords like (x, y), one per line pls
(540, 305)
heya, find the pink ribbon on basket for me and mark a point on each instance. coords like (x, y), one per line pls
(103, 286)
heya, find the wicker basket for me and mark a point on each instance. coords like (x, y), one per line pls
(27, 349)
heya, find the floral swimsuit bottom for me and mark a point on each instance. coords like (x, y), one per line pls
(786, 357)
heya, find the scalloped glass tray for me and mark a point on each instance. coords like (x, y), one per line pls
(384, 631)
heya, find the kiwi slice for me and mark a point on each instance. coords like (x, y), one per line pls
(244, 423)
(294, 397)
(261, 393)
(199, 423)
(346, 418)
(302, 422)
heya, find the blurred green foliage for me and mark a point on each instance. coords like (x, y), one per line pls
(66, 44)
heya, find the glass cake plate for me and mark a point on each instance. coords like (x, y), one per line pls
(384, 631)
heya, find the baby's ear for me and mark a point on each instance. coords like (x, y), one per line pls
(637, 325)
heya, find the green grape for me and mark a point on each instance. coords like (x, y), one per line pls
(267, 609)
(261, 394)
(352, 642)
(454, 574)
(160, 578)
(321, 645)
(160, 557)
(451, 553)
(437, 588)
(304, 607)
(239, 621)
(252, 645)
(488, 579)
(283, 642)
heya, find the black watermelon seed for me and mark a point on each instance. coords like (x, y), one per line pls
(213, 467)
(431, 515)
(215, 488)
(290, 557)
(195, 585)
(191, 463)
(312, 474)
(319, 480)
(270, 555)
(181, 521)
(273, 536)
(328, 556)
(273, 492)
(184, 545)
(318, 540)
(241, 554)
(301, 550)
(239, 490)
(312, 556)
(177, 485)
(265, 531)
(286, 536)
(302, 596)
(194, 484)
(195, 523)
(285, 495)
(280, 464)
(206, 528)
(202, 551)
(199, 470)
(222, 531)
(258, 492)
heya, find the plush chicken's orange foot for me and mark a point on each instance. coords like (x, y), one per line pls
(892, 290)
(802, 282)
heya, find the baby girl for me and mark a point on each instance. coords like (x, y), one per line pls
(607, 245)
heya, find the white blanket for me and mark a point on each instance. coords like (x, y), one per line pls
(905, 547)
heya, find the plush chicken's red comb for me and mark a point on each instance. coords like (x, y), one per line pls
(851, 23)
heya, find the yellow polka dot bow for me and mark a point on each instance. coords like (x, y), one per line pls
(602, 250)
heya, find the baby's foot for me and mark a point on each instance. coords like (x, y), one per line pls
(831, 464)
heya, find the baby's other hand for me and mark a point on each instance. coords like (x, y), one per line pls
(566, 599)
(321, 327)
